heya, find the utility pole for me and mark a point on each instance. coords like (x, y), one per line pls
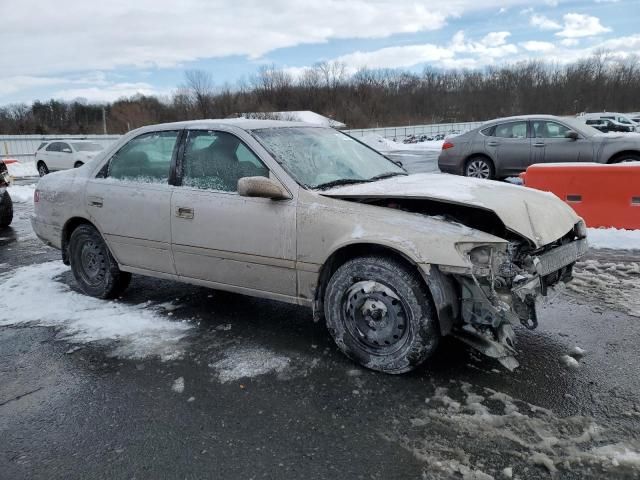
(104, 121)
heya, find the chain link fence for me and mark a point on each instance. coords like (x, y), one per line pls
(400, 133)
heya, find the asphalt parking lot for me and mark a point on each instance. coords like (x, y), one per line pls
(235, 387)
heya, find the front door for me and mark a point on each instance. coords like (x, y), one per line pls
(219, 236)
(551, 144)
(130, 201)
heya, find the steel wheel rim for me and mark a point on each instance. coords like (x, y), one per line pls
(478, 169)
(91, 263)
(375, 317)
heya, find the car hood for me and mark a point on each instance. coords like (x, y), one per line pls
(538, 216)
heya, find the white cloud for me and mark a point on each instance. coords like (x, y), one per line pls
(44, 39)
(536, 46)
(578, 25)
(544, 23)
(108, 93)
(569, 42)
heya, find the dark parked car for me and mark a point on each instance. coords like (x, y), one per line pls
(607, 125)
(507, 146)
(6, 205)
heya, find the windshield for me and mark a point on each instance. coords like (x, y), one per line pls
(87, 147)
(323, 157)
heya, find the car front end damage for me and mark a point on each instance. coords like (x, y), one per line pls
(503, 286)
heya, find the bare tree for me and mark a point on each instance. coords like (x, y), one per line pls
(200, 86)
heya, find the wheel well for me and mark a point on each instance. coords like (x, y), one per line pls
(343, 255)
(78, 163)
(67, 230)
(40, 162)
(619, 155)
(475, 155)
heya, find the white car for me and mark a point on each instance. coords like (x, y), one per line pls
(65, 154)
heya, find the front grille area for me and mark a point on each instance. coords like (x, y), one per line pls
(560, 257)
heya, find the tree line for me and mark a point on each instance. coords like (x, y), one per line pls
(366, 98)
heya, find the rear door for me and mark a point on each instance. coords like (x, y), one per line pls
(219, 236)
(550, 143)
(510, 147)
(130, 201)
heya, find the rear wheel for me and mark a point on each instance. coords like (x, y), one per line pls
(479, 167)
(93, 266)
(42, 169)
(6, 210)
(380, 314)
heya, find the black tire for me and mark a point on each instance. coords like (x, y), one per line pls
(370, 326)
(6, 210)
(77, 164)
(632, 157)
(93, 266)
(42, 168)
(480, 167)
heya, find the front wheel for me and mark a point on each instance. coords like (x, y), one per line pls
(380, 314)
(479, 167)
(42, 169)
(93, 266)
(6, 210)
(629, 157)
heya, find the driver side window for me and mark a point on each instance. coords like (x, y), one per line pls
(217, 160)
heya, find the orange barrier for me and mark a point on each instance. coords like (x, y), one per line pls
(603, 195)
(7, 161)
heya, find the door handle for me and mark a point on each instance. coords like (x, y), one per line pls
(95, 202)
(538, 144)
(184, 212)
(493, 144)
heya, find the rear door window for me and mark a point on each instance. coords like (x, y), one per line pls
(511, 130)
(145, 159)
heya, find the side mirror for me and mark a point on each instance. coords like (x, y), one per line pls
(572, 135)
(262, 187)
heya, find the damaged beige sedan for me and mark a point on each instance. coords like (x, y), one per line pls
(308, 215)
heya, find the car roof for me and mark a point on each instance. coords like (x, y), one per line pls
(241, 123)
(526, 117)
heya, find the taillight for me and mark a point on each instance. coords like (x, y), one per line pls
(446, 145)
(36, 196)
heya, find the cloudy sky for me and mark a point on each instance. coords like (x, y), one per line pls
(71, 49)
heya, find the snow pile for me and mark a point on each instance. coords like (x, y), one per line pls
(178, 385)
(614, 238)
(247, 362)
(22, 169)
(463, 426)
(608, 285)
(21, 193)
(35, 295)
(382, 144)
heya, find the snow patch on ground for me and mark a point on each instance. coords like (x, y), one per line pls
(35, 295)
(569, 361)
(248, 362)
(178, 385)
(463, 425)
(614, 238)
(21, 193)
(608, 285)
(22, 169)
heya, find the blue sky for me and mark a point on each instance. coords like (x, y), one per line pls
(70, 49)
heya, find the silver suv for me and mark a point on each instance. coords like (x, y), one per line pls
(507, 146)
